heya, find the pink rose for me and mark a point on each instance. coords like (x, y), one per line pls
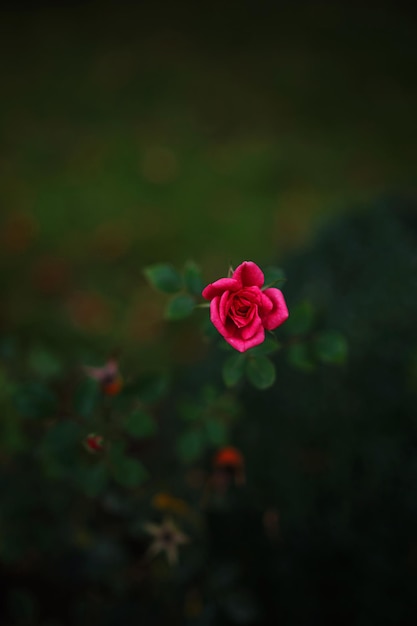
(240, 311)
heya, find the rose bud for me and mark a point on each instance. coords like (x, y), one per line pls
(93, 443)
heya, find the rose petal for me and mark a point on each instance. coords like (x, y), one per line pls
(279, 313)
(251, 329)
(219, 286)
(266, 304)
(242, 345)
(224, 306)
(215, 316)
(242, 318)
(248, 298)
(253, 293)
(249, 274)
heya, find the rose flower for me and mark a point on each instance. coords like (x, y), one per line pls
(241, 311)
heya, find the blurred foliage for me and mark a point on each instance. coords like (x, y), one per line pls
(133, 139)
(327, 508)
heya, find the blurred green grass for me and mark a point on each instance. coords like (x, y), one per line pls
(132, 135)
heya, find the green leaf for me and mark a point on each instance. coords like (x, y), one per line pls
(34, 400)
(63, 436)
(129, 472)
(261, 372)
(274, 275)
(117, 452)
(331, 347)
(301, 319)
(192, 278)
(269, 346)
(60, 447)
(44, 363)
(216, 432)
(125, 470)
(233, 369)
(164, 277)
(140, 424)
(93, 479)
(86, 397)
(179, 307)
(190, 445)
(299, 357)
(189, 411)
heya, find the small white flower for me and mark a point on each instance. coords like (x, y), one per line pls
(166, 538)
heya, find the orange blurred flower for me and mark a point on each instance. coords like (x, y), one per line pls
(228, 466)
(228, 456)
(165, 502)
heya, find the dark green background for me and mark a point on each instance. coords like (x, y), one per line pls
(166, 131)
(133, 134)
